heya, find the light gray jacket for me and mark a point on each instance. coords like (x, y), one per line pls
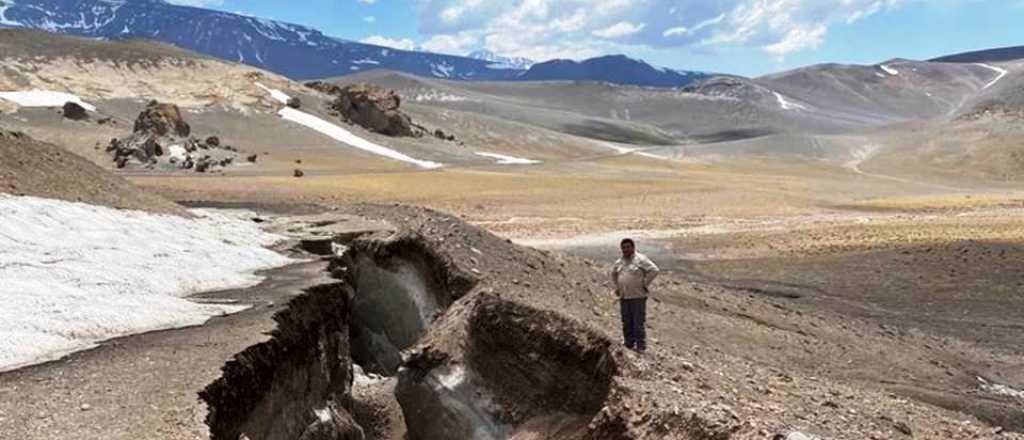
(632, 277)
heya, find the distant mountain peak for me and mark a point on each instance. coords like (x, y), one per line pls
(614, 69)
(498, 61)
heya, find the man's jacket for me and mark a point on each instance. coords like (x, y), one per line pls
(633, 276)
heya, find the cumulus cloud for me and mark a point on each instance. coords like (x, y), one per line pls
(542, 29)
(618, 30)
(394, 43)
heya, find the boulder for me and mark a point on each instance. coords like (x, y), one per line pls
(74, 111)
(162, 119)
(294, 102)
(213, 142)
(299, 173)
(252, 158)
(142, 148)
(370, 106)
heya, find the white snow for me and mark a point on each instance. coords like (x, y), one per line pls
(1002, 72)
(508, 160)
(443, 70)
(347, 137)
(786, 104)
(341, 134)
(76, 274)
(44, 98)
(177, 151)
(366, 61)
(889, 70)
(880, 75)
(276, 94)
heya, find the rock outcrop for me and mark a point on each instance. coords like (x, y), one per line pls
(74, 111)
(370, 106)
(162, 139)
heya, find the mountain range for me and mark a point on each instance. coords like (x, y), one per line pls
(301, 52)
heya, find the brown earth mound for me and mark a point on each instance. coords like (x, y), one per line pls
(32, 168)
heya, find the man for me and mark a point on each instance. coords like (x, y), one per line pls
(632, 276)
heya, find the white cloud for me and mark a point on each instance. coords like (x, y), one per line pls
(400, 43)
(370, 19)
(540, 29)
(458, 44)
(619, 30)
(367, 2)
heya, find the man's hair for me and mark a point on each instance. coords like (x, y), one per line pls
(627, 240)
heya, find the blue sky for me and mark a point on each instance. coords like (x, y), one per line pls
(747, 37)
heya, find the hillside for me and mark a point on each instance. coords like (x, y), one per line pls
(40, 169)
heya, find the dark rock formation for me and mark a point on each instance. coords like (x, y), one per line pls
(162, 139)
(74, 111)
(369, 106)
(162, 119)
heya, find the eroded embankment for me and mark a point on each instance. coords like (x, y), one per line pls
(490, 368)
(520, 373)
(294, 385)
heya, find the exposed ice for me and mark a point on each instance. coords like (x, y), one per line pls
(341, 134)
(44, 98)
(76, 274)
(508, 160)
(1002, 72)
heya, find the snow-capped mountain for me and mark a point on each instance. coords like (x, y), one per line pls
(615, 69)
(500, 62)
(292, 50)
(301, 52)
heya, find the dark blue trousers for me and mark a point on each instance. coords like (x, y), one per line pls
(634, 322)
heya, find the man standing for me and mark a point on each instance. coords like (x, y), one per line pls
(632, 276)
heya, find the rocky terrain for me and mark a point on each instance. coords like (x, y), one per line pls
(840, 246)
(162, 138)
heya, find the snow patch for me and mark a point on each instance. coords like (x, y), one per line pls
(76, 274)
(443, 70)
(786, 104)
(999, 389)
(508, 160)
(437, 96)
(1002, 72)
(276, 94)
(177, 152)
(366, 61)
(340, 134)
(44, 98)
(889, 70)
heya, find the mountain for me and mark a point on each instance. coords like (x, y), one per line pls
(500, 62)
(615, 69)
(985, 56)
(295, 51)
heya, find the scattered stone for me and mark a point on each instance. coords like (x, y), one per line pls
(85, 407)
(299, 173)
(252, 158)
(74, 111)
(440, 134)
(294, 102)
(106, 121)
(213, 142)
